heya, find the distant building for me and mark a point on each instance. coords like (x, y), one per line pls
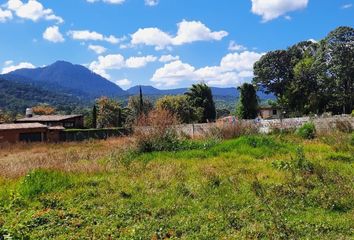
(66, 121)
(28, 132)
(269, 112)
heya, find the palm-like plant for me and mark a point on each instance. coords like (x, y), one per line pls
(201, 97)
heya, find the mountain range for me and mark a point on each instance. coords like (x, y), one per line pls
(77, 84)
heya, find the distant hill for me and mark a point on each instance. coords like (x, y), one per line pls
(230, 92)
(16, 97)
(72, 78)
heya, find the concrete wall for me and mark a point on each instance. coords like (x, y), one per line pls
(266, 126)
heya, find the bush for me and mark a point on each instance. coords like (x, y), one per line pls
(43, 181)
(156, 132)
(307, 131)
(353, 113)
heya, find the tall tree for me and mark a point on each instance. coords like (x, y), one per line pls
(108, 113)
(340, 59)
(247, 107)
(200, 96)
(141, 101)
(94, 116)
(180, 106)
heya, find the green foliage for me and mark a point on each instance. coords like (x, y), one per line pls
(247, 107)
(134, 108)
(43, 181)
(312, 77)
(201, 97)
(180, 106)
(108, 113)
(307, 131)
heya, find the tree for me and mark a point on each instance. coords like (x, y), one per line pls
(247, 107)
(43, 110)
(339, 46)
(180, 106)
(273, 72)
(134, 110)
(94, 116)
(108, 111)
(200, 96)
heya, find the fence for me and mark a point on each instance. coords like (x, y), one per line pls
(86, 134)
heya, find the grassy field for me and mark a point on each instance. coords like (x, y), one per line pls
(252, 187)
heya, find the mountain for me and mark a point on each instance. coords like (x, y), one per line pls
(75, 79)
(16, 97)
(230, 92)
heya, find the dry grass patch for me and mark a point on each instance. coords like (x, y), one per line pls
(19, 159)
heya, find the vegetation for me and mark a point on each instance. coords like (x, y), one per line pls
(252, 187)
(43, 109)
(201, 98)
(307, 131)
(312, 77)
(247, 107)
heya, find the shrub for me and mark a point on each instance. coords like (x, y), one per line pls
(43, 181)
(307, 131)
(352, 113)
(156, 132)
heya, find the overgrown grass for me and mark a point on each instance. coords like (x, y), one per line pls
(252, 187)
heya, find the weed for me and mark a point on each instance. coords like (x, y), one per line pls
(307, 131)
(43, 181)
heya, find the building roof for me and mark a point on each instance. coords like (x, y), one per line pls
(47, 118)
(16, 126)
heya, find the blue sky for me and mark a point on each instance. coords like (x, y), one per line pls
(164, 43)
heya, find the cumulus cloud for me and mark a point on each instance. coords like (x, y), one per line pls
(53, 34)
(117, 61)
(5, 15)
(86, 35)
(97, 49)
(234, 47)
(151, 3)
(168, 58)
(188, 32)
(234, 69)
(10, 68)
(123, 83)
(32, 10)
(272, 9)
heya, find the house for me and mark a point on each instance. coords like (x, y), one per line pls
(66, 121)
(28, 132)
(269, 112)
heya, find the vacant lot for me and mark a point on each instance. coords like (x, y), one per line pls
(252, 187)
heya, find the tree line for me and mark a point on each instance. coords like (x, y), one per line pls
(311, 77)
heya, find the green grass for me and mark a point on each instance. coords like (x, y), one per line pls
(255, 187)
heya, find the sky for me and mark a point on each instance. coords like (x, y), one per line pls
(163, 43)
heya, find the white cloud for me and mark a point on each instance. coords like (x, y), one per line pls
(107, 1)
(12, 68)
(5, 15)
(32, 10)
(139, 62)
(234, 69)
(53, 34)
(272, 9)
(168, 58)
(97, 49)
(123, 83)
(347, 6)
(234, 47)
(117, 61)
(86, 35)
(8, 62)
(188, 32)
(173, 73)
(151, 3)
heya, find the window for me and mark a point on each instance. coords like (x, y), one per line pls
(69, 125)
(275, 112)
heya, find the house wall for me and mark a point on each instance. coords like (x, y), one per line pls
(13, 135)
